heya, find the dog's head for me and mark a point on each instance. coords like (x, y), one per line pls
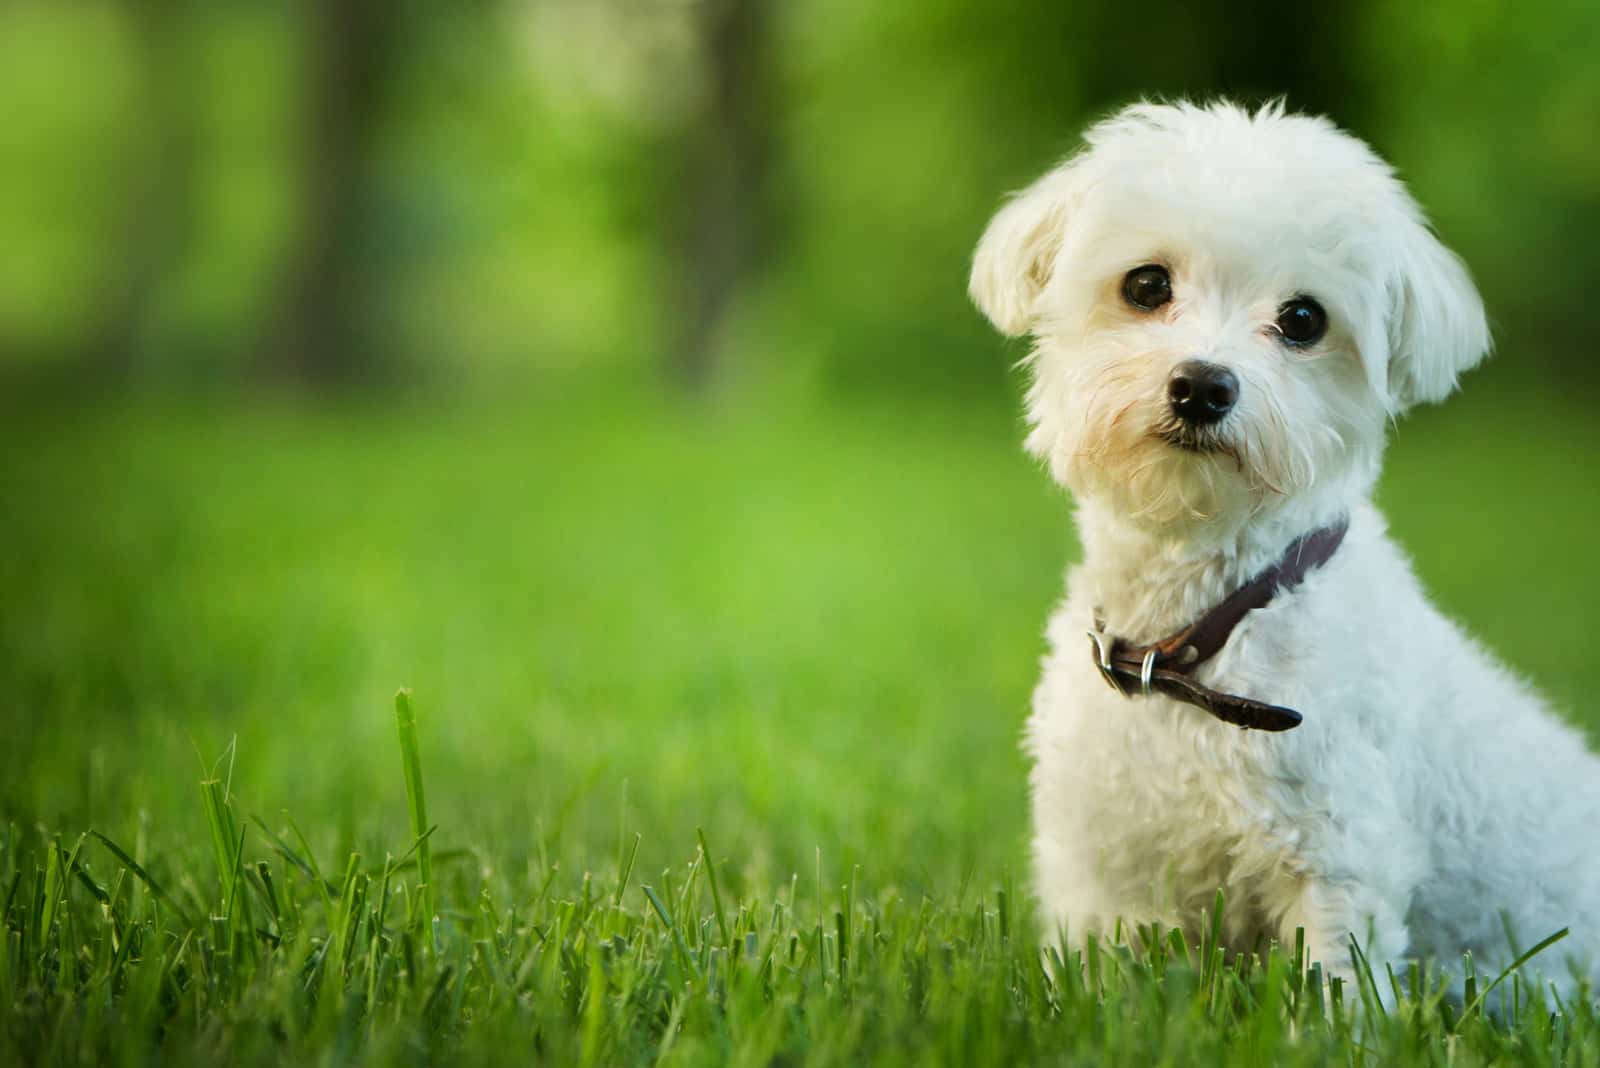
(1227, 308)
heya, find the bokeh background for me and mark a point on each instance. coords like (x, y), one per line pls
(603, 370)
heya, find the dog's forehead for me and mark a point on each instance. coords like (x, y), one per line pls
(1269, 191)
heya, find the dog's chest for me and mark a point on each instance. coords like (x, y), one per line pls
(1167, 803)
(1182, 781)
(1177, 804)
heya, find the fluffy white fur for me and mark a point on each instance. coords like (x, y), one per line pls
(1428, 789)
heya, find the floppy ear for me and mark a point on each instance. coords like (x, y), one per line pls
(1017, 252)
(1437, 327)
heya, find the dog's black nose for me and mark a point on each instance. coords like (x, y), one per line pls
(1201, 393)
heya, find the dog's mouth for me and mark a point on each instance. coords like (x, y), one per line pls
(1202, 442)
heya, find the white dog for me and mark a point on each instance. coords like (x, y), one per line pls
(1228, 308)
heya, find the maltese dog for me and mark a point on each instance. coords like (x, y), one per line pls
(1227, 309)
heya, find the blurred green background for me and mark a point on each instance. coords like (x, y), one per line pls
(603, 370)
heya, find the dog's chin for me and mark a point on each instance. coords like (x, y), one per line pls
(1171, 478)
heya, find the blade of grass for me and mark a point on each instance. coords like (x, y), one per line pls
(411, 761)
(219, 820)
(1366, 980)
(143, 876)
(711, 877)
(46, 905)
(627, 869)
(1476, 1004)
(307, 864)
(672, 928)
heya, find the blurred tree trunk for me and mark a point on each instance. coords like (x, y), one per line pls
(156, 222)
(315, 333)
(723, 200)
(1251, 50)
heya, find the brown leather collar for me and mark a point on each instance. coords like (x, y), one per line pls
(1167, 666)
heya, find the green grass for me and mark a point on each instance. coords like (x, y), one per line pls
(716, 711)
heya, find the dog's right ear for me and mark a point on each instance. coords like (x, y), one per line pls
(1017, 253)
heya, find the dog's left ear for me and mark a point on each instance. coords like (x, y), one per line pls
(1017, 253)
(1437, 326)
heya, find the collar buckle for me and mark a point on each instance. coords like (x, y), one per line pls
(1102, 645)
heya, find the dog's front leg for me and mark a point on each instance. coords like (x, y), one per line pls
(1335, 912)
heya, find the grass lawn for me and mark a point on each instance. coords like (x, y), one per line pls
(808, 632)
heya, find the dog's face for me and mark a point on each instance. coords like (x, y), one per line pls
(1227, 308)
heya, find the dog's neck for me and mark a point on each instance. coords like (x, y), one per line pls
(1147, 583)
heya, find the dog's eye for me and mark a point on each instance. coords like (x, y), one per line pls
(1302, 321)
(1147, 287)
